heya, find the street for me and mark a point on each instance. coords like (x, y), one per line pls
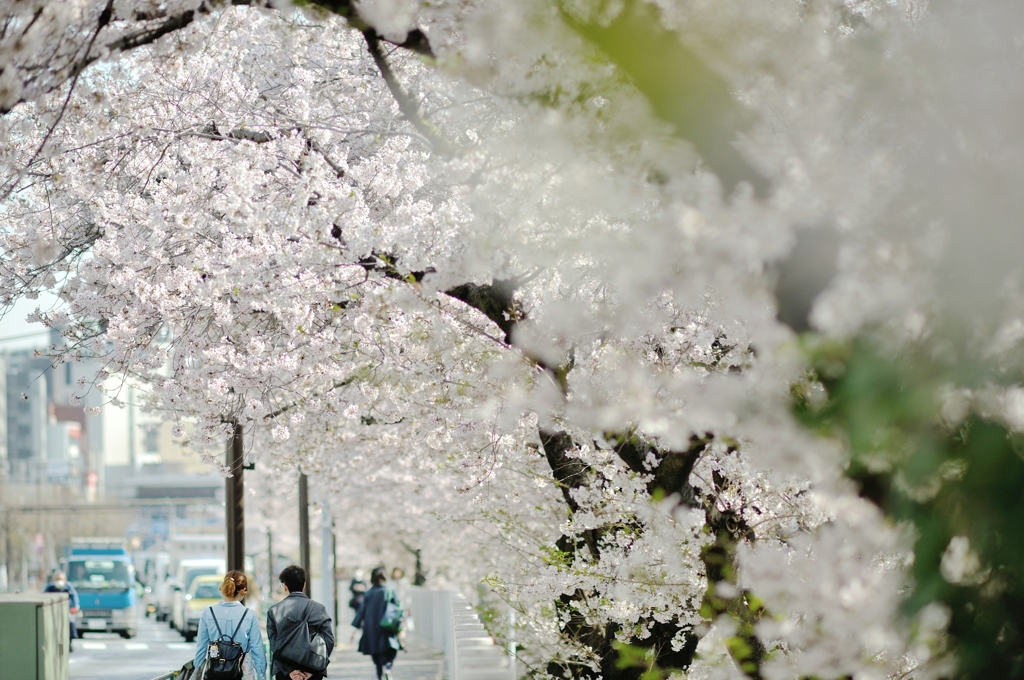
(106, 656)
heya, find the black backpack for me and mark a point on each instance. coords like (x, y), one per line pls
(224, 656)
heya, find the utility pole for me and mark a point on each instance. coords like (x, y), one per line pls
(334, 572)
(327, 561)
(270, 561)
(234, 501)
(304, 528)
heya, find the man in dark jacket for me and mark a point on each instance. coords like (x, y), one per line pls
(296, 610)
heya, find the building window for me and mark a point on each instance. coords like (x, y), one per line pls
(152, 441)
(67, 374)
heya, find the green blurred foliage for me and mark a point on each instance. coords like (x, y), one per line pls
(634, 656)
(962, 479)
(680, 87)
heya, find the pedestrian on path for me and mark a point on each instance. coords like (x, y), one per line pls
(295, 610)
(224, 618)
(60, 584)
(358, 589)
(381, 644)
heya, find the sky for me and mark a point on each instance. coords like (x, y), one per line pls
(16, 333)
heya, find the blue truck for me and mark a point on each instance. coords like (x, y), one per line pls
(102, 572)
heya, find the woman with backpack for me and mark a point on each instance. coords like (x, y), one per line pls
(380, 643)
(229, 641)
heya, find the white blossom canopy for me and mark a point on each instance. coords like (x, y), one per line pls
(512, 275)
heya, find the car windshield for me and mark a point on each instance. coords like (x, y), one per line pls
(206, 591)
(94, 576)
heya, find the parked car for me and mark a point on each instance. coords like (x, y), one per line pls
(205, 591)
(188, 572)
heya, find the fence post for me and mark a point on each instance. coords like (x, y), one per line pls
(446, 621)
(512, 641)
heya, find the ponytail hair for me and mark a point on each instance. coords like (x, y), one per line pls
(234, 584)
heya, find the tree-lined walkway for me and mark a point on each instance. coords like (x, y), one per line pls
(157, 650)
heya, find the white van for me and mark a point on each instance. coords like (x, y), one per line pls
(188, 571)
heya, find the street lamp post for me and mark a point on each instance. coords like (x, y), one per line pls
(327, 594)
(270, 560)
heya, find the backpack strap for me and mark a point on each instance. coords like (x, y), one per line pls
(246, 611)
(220, 633)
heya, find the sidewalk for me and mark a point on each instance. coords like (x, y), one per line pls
(419, 662)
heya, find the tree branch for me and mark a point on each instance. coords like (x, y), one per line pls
(724, 597)
(416, 40)
(681, 88)
(569, 473)
(495, 300)
(287, 407)
(315, 146)
(101, 23)
(670, 471)
(406, 105)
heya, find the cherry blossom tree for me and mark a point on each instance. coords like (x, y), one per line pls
(512, 276)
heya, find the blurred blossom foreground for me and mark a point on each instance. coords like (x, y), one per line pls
(692, 328)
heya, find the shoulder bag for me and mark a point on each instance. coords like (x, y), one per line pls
(302, 648)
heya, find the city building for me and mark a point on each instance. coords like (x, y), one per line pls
(27, 417)
(48, 435)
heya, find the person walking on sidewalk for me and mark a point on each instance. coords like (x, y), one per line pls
(377, 642)
(358, 589)
(60, 585)
(224, 618)
(296, 610)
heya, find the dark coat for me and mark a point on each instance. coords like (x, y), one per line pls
(375, 639)
(73, 603)
(288, 613)
(358, 590)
